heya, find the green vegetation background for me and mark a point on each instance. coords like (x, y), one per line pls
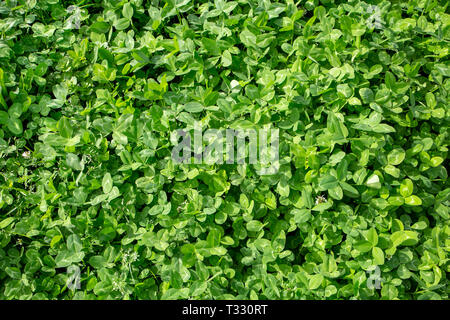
(91, 90)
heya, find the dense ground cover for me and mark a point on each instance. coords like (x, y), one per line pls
(90, 92)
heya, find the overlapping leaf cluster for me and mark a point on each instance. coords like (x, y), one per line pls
(91, 91)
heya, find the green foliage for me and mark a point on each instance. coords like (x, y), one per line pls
(89, 98)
